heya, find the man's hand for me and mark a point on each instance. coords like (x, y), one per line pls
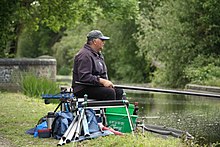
(106, 83)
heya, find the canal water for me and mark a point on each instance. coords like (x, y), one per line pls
(200, 116)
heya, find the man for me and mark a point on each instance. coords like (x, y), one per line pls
(90, 68)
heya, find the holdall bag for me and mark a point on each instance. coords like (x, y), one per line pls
(61, 123)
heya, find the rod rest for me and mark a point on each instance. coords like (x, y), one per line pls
(58, 96)
(105, 103)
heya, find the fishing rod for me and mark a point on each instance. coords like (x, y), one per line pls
(159, 90)
(167, 91)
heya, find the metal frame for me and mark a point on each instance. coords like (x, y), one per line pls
(74, 130)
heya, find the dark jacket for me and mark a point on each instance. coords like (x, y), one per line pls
(88, 67)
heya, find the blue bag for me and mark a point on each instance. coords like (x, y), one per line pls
(92, 121)
(61, 123)
(41, 126)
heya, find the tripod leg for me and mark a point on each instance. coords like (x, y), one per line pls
(61, 142)
(72, 132)
(69, 129)
(85, 126)
(79, 125)
(103, 116)
(63, 138)
(58, 107)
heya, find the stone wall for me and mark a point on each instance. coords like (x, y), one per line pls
(11, 70)
(201, 88)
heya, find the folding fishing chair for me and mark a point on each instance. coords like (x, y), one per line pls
(110, 104)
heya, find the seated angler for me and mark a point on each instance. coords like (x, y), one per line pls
(90, 68)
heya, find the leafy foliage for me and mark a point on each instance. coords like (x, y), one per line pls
(120, 51)
(121, 54)
(55, 14)
(169, 35)
(175, 33)
(204, 70)
(36, 43)
(7, 24)
(70, 44)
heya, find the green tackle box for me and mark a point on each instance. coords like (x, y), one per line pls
(121, 110)
(117, 118)
(120, 122)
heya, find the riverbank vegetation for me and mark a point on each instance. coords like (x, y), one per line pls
(165, 42)
(14, 122)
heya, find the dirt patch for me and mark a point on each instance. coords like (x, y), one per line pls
(4, 142)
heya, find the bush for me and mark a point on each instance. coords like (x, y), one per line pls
(206, 75)
(65, 50)
(34, 86)
(64, 70)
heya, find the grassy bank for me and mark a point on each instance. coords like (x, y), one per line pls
(20, 113)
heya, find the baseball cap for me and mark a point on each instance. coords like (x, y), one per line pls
(96, 34)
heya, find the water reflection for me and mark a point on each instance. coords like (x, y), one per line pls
(198, 115)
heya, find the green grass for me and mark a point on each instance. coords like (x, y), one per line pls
(20, 113)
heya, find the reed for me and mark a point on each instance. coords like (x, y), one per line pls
(34, 86)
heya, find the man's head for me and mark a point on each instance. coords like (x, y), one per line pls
(96, 40)
(96, 34)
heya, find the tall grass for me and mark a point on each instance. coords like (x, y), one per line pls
(34, 86)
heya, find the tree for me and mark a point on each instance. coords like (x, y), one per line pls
(33, 44)
(176, 33)
(121, 51)
(69, 45)
(55, 14)
(6, 21)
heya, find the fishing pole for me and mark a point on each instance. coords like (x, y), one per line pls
(159, 90)
(167, 91)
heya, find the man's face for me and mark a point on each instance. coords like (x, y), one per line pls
(99, 44)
